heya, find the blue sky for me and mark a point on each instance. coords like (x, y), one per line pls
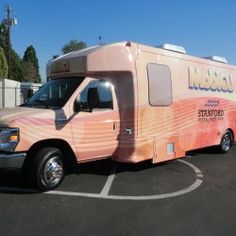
(204, 28)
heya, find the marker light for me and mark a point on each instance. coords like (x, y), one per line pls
(13, 138)
(9, 138)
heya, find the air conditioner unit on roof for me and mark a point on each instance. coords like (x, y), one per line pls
(217, 58)
(174, 48)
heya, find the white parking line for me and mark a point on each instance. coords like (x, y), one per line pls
(106, 188)
(108, 184)
(191, 188)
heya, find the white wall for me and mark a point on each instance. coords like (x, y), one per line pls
(12, 93)
(15, 92)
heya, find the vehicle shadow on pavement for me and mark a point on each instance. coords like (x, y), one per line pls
(208, 150)
(15, 183)
(105, 167)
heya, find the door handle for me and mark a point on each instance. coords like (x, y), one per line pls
(114, 126)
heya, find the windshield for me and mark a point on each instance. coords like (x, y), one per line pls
(55, 93)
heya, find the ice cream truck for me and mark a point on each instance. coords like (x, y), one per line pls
(124, 101)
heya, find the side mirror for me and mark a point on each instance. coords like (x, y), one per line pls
(77, 105)
(93, 98)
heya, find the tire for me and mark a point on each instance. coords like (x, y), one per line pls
(47, 169)
(226, 142)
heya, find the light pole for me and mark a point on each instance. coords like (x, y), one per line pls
(9, 22)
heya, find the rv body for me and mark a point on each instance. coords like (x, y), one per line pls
(127, 101)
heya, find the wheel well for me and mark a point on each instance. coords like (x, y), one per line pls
(62, 145)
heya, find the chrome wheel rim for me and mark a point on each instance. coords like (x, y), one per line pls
(53, 171)
(226, 142)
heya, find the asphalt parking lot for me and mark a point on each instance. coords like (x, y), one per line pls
(192, 196)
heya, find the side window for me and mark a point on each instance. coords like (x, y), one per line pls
(159, 85)
(104, 95)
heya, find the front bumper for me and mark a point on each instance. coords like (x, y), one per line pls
(12, 160)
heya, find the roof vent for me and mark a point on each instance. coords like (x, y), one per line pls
(174, 48)
(218, 59)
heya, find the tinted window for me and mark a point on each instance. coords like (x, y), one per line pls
(104, 92)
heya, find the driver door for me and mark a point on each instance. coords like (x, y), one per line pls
(96, 129)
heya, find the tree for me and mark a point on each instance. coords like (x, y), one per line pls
(73, 45)
(17, 71)
(3, 37)
(21, 70)
(3, 65)
(16, 63)
(31, 65)
(29, 72)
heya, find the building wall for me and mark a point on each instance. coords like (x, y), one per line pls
(14, 93)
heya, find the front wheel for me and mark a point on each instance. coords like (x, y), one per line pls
(226, 142)
(47, 170)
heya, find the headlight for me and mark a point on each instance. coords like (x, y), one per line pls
(9, 137)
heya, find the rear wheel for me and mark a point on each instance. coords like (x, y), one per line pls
(47, 169)
(226, 142)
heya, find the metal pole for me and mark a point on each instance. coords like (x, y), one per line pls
(9, 24)
(3, 88)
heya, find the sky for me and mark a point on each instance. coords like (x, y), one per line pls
(202, 27)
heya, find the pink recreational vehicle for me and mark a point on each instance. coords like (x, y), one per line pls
(126, 101)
